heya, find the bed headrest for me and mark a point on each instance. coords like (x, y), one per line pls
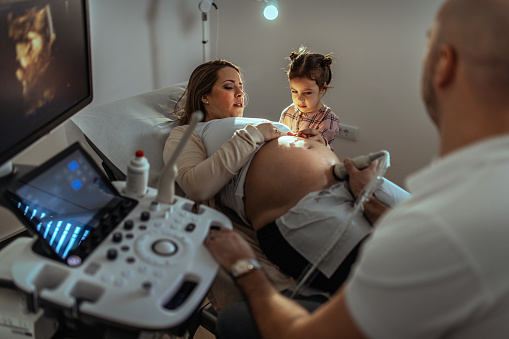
(140, 122)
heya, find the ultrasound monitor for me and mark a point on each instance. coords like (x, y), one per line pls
(45, 69)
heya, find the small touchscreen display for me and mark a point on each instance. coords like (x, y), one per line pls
(66, 200)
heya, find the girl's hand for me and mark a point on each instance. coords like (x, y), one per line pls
(312, 134)
(269, 131)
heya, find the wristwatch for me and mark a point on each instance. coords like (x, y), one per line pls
(243, 267)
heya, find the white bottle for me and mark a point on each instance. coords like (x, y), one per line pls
(137, 175)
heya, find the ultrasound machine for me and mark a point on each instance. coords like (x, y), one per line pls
(99, 262)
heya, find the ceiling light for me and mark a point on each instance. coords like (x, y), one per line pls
(271, 9)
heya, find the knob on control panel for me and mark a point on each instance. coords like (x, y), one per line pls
(147, 287)
(129, 224)
(154, 206)
(117, 237)
(145, 216)
(111, 254)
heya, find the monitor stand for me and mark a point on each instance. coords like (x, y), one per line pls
(8, 174)
(6, 169)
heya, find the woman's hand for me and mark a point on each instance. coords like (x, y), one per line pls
(269, 131)
(312, 134)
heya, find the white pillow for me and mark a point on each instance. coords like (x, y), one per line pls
(141, 122)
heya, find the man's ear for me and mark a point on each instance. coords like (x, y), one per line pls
(446, 66)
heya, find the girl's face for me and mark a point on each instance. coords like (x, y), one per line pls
(226, 99)
(306, 95)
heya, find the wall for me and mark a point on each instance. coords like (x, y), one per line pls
(379, 46)
(140, 45)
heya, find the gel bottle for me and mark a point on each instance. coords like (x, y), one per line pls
(137, 175)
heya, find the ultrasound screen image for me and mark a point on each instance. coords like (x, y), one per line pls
(64, 202)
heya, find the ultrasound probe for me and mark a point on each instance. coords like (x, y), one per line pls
(361, 162)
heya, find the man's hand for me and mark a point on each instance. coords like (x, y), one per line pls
(228, 247)
(359, 179)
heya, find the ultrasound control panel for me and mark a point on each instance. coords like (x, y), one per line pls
(144, 267)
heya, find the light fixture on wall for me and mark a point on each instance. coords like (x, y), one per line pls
(205, 6)
(271, 9)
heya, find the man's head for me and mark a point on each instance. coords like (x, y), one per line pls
(469, 43)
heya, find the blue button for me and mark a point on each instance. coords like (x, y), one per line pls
(73, 166)
(76, 184)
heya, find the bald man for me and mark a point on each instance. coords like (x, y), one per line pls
(436, 265)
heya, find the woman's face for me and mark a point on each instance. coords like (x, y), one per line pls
(226, 99)
(306, 95)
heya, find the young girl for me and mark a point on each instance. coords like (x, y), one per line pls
(309, 75)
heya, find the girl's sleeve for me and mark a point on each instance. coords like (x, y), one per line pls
(329, 127)
(286, 119)
(282, 117)
(201, 177)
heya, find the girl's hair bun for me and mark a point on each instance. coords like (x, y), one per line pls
(327, 60)
(294, 56)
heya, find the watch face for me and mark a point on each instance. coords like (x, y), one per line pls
(244, 266)
(240, 267)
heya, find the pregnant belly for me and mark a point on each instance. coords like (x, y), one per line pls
(282, 172)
